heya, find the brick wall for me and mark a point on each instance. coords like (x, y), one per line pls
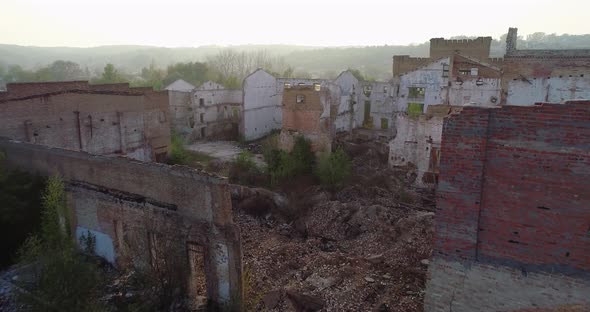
(123, 201)
(105, 123)
(312, 119)
(513, 216)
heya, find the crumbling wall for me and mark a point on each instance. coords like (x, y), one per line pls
(429, 77)
(110, 123)
(478, 48)
(478, 91)
(262, 105)
(217, 112)
(512, 210)
(524, 91)
(124, 202)
(416, 143)
(180, 111)
(311, 118)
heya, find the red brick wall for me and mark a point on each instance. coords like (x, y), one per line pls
(303, 117)
(514, 186)
(513, 211)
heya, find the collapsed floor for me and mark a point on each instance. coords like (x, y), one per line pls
(364, 247)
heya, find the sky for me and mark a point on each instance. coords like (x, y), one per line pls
(185, 23)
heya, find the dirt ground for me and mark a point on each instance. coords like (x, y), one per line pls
(225, 151)
(362, 248)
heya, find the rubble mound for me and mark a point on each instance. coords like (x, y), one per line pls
(363, 248)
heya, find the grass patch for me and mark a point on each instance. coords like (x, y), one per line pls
(179, 155)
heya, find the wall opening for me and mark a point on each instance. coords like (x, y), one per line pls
(367, 112)
(415, 109)
(300, 99)
(417, 93)
(197, 282)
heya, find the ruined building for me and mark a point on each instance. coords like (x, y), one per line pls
(512, 210)
(209, 111)
(361, 103)
(460, 73)
(310, 111)
(144, 213)
(110, 119)
(531, 76)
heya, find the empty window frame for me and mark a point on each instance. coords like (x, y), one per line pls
(317, 86)
(464, 72)
(416, 92)
(445, 72)
(474, 71)
(287, 85)
(300, 99)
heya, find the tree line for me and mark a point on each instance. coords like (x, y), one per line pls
(228, 67)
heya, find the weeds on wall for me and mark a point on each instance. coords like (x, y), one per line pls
(333, 169)
(62, 279)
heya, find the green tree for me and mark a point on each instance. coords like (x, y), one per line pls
(333, 169)
(193, 72)
(110, 74)
(152, 76)
(357, 74)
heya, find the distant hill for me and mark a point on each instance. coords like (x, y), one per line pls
(373, 61)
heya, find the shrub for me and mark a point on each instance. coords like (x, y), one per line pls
(282, 165)
(303, 157)
(63, 280)
(178, 154)
(333, 169)
(245, 171)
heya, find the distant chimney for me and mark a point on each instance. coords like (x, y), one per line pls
(511, 40)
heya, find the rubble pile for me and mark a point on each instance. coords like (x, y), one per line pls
(363, 248)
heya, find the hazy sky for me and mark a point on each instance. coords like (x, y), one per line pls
(175, 23)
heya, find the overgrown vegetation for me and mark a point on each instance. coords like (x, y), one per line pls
(63, 279)
(245, 171)
(20, 213)
(333, 169)
(282, 165)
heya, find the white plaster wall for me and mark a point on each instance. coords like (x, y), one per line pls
(554, 89)
(180, 85)
(262, 105)
(210, 85)
(414, 141)
(469, 93)
(382, 103)
(351, 88)
(429, 77)
(221, 96)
